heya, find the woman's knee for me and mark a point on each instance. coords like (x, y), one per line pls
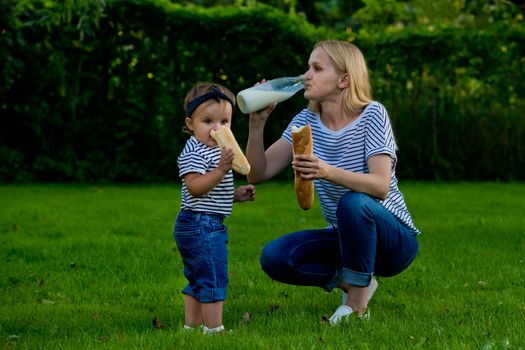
(270, 260)
(266, 257)
(353, 203)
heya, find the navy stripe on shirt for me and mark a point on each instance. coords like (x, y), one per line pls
(197, 157)
(350, 148)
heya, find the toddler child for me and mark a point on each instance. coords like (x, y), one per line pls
(207, 196)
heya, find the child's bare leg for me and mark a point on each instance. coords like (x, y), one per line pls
(212, 314)
(192, 312)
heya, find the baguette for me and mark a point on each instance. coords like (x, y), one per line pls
(302, 144)
(225, 139)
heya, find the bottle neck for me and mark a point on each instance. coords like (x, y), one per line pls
(288, 83)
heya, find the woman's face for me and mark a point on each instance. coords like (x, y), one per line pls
(322, 80)
(207, 117)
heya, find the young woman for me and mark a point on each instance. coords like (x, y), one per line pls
(370, 231)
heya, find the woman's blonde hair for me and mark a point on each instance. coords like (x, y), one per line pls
(347, 58)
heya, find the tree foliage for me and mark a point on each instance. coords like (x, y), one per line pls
(392, 15)
(100, 97)
(109, 106)
(380, 15)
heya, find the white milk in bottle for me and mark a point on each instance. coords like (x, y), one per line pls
(262, 95)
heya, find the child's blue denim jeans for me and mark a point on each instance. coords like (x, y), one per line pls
(202, 239)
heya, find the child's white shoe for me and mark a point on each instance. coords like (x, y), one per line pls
(219, 329)
(187, 328)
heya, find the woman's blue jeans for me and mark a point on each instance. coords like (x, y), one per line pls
(368, 240)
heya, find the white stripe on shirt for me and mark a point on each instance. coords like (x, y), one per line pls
(197, 157)
(350, 148)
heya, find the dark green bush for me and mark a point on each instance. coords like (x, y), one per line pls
(109, 107)
(96, 95)
(456, 100)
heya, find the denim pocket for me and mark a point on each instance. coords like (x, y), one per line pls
(215, 228)
(188, 239)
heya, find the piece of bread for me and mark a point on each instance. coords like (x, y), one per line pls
(225, 138)
(302, 144)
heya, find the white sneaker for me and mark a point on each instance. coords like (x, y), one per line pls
(344, 310)
(372, 287)
(207, 330)
(341, 313)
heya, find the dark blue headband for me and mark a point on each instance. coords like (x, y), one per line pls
(213, 94)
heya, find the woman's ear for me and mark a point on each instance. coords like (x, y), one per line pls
(189, 123)
(343, 81)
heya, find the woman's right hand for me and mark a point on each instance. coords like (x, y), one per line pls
(265, 164)
(258, 118)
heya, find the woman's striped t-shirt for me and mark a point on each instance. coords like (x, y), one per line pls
(197, 157)
(350, 148)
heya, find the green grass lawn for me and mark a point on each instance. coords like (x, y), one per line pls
(90, 267)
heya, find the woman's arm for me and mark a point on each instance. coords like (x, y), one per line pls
(375, 183)
(265, 164)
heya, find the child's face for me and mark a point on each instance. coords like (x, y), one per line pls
(207, 117)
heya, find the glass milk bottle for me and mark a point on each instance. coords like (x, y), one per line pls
(262, 95)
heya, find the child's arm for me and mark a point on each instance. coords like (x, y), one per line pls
(200, 184)
(244, 193)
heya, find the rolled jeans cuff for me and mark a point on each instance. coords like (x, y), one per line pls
(354, 278)
(208, 295)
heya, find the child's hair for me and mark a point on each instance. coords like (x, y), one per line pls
(206, 91)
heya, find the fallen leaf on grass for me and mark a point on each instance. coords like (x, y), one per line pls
(104, 339)
(272, 308)
(157, 324)
(246, 318)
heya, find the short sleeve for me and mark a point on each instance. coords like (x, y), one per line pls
(379, 135)
(299, 120)
(191, 162)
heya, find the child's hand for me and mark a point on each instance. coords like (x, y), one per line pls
(244, 193)
(225, 164)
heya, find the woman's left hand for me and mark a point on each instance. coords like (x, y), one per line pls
(310, 167)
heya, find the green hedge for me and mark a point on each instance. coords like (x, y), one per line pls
(456, 100)
(106, 105)
(110, 107)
